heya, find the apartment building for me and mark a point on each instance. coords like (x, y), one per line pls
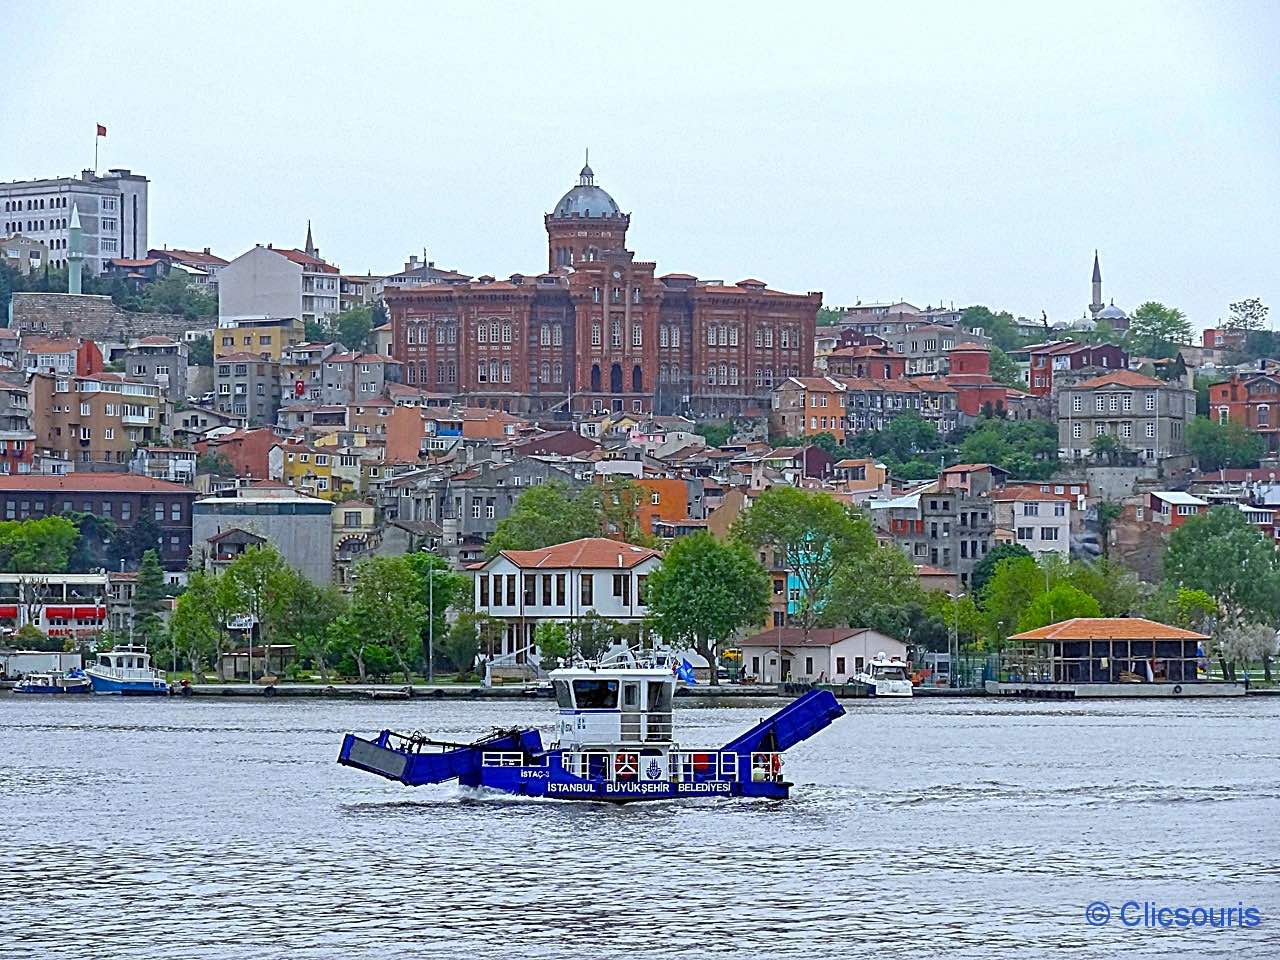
(1038, 516)
(1147, 417)
(1252, 400)
(278, 282)
(247, 385)
(62, 356)
(159, 360)
(112, 211)
(97, 422)
(17, 439)
(267, 337)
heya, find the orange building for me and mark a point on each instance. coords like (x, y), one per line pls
(666, 500)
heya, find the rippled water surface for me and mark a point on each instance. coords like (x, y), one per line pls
(970, 828)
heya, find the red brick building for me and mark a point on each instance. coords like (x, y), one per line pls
(1252, 400)
(601, 331)
(1056, 359)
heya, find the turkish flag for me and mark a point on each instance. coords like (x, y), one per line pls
(102, 131)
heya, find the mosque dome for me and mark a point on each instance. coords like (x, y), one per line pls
(1112, 313)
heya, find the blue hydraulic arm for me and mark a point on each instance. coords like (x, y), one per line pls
(799, 720)
(414, 761)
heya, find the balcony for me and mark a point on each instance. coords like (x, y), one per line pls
(135, 419)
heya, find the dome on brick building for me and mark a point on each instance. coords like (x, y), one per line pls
(1112, 313)
(586, 199)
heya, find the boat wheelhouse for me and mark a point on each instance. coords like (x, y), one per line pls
(886, 676)
(615, 743)
(126, 670)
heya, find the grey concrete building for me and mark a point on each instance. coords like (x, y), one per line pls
(1147, 418)
(246, 385)
(160, 360)
(112, 210)
(468, 504)
(299, 527)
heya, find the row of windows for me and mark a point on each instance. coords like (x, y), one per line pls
(1046, 533)
(35, 203)
(15, 509)
(15, 226)
(489, 332)
(1033, 509)
(1125, 432)
(446, 372)
(446, 332)
(1113, 402)
(1262, 414)
(554, 590)
(493, 372)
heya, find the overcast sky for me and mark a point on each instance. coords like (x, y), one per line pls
(958, 152)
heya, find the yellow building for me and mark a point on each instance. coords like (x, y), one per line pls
(268, 337)
(309, 470)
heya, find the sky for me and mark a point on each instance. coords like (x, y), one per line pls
(938, 153)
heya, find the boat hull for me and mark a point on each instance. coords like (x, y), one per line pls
(128, 688)
(51, 691)
(556, 785)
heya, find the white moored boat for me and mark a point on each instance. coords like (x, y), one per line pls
(886, 676)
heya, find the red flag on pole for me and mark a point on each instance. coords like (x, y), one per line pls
(102, 131)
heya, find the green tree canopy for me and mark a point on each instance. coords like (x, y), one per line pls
(811, 535)
(387, 610)
(1060, 602)
(869, 587)
(177, 294)
(1157, 331)
(37, 546)
(705, 591)
(442, 589)
(542, 516)
(200, 352)
(1001, 327)
(148, 598)
(1250, 314)
(1228, 558)
(1028, 449)
(985, 567)
(353, 327)
(716, 433)
(1004, 370)
(1216, 445)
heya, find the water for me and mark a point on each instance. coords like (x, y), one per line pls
(975, 828)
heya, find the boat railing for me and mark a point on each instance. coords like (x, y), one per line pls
(698, 765)
(766, 766)
(503, 758)
(128, 673)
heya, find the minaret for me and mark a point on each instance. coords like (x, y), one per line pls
(310, 249)
(75, 250)
(1096, 304)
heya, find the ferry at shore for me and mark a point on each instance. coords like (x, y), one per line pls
(614, 743)
(127, 670)
(886, 676)
(53, 683)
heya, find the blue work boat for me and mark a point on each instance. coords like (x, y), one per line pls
(54, 682)
(614, 744)
(127, 670)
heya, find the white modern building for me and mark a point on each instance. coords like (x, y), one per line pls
(522, 588)
(1038, 516)
(826, 655)
(112, 208)
(278, 282)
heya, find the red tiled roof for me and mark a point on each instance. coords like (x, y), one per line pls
(38, 344)
(303, 259)
(1031, 492)
(1108, 628)
(188, 256)
(1121, 378)
(90, 483)
(590, 552)
(122, 262)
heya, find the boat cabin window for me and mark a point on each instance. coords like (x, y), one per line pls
(631, 695)
(596, 694)
(564, 699)
(660, 694)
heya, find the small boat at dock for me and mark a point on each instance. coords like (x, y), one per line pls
(614, 743)
(886, 676)
(53, 683)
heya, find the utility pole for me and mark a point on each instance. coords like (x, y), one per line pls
(431, 623)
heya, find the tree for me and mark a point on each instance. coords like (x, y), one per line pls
(984, 568)
(215, 463)
(591, 635)
(1156, 331)
(1028, 449)
(1105, 447)
(260, 586)
(705, 591)
(198, 627)
(1004, 370)
(830, 316)
(716, 433)
(462, 643)
(30, 637)
(1216, 445)
(615, 504)
(1061, 602)
(37, 546)
(148, 598)
(829, 445)
(177, 294)
(869, 587)
(306, 616)
(1000, 327)
(1118, 592)
(1108, 513)
(811, 535)
(543, 516)
(353, 327)
(1014, 585)
(1243, 643)
(1246, 315)
(200, 352)
(131, 542)
(315, 330)
(387, 609)
(1224, 555)
(552, 641)
(442, 590)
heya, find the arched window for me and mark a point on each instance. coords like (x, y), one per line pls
(733, 335)
(453, 372)
(675, 336)
(545, 372)
(615, 378)
(1224, 414)
(557, 372)
(724, 373)
(482, 334)
(482, 372)
(711, 336)
(493, 371)
(493, 331)
(439, 332)
(733, 375)
(636, 335)
(1264, 415)
(595, 378)
(663, 339)
(595, 334)
(506, 371)
(506, 333)
(544, 335)
(413, 374)
(439, 371)
(637, 379)
(557, 335)
(615, 333)
(724, 336)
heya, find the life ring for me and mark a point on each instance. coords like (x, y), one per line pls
(1177, 688)
(625, 766)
